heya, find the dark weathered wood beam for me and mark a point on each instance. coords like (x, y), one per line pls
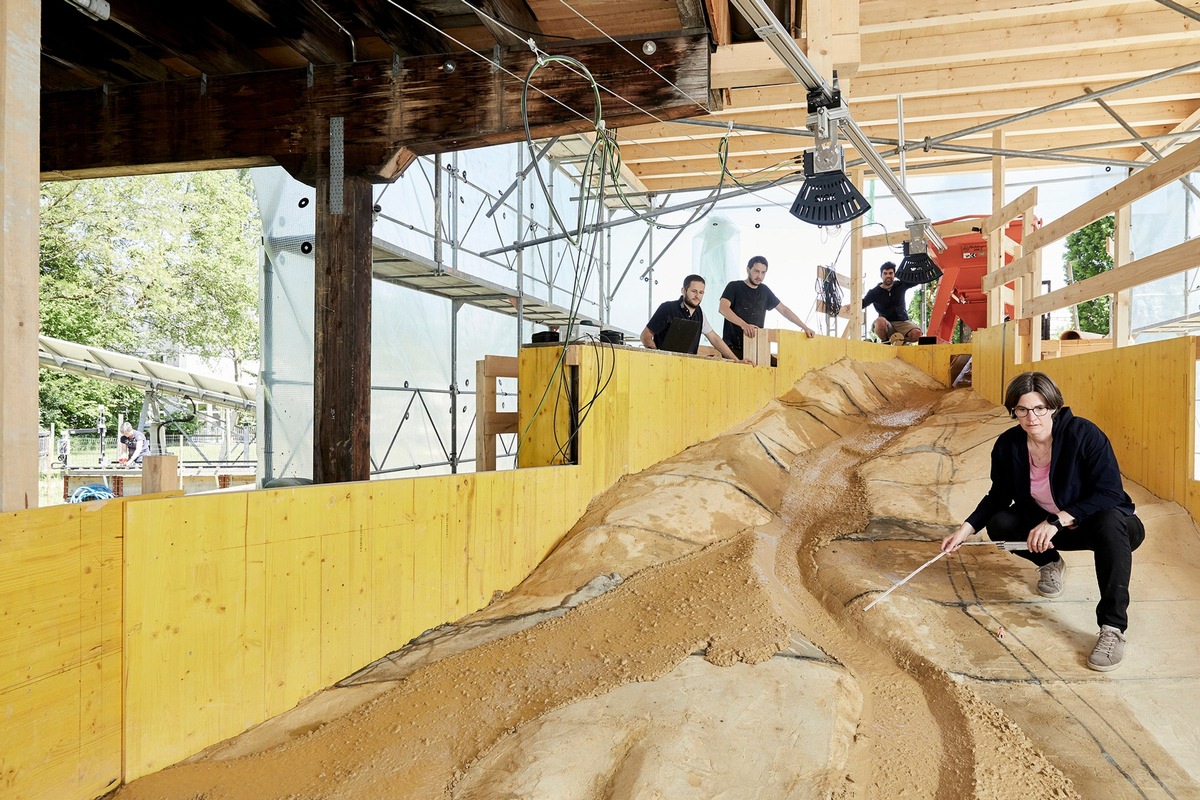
(302, 27)
(342, 333)
(430, 104)
(193, 33)
(511, 21)
(407, 36)
(104, 53)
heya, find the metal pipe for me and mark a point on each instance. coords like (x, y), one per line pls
(437, 213)
(455, 305)
(1187, 12)
(1191, 187)
(1033, 154)
(520, 175)
(771, 31)
(750, 189)
(900, 134)
(1071, 101)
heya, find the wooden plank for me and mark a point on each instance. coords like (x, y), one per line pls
(485, 403)
(1169, 262)
(1009, 212)
(1017, 268)
(423, 107)
(500, 366)
(21, 27)
(1178, 164)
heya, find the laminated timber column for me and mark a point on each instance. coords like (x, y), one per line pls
(20, 43)
(342, 331)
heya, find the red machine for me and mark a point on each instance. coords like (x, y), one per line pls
(963, 264)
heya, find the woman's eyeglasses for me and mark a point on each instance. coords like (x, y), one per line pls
(1022, 411)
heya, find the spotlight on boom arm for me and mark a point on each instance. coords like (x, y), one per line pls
(827, 196)
(917, 265)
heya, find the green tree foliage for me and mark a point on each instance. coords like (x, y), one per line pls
(1087, 255)
(152, 266)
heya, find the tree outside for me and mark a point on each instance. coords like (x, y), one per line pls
(152, 266)
(1086, 255)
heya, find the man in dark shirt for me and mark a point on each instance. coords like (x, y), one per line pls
(686, 307)
(888, 299)
(744, 305)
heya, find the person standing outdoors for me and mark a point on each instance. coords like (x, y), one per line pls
(745, 303)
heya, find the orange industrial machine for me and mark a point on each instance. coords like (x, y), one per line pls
(963, 264)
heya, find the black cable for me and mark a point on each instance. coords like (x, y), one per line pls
(830, 293)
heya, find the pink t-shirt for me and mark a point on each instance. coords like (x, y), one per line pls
(1039, 487)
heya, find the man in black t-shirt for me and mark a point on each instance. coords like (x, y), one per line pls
(686, 307)
(888, 299)
(744, 305)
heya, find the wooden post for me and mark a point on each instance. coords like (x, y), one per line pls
(20, 57)
(1121, 325)
(488, 421)
(342, 331)
(854, 327)
(1032, 346)
(995, 252)
(160, 474)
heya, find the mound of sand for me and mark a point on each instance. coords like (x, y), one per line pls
(700, 633)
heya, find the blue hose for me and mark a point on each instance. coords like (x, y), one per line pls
(95, 491)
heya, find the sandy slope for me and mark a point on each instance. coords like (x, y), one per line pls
(734, 658)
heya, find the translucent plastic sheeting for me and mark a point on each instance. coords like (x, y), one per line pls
(414, 425)
(1162, 220)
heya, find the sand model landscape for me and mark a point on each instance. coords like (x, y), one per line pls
(701, 633)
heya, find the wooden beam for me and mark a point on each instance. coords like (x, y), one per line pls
(855, 327)
(511, 22)
(750, 72)
(1169, 262)
(423, 106)
(944, 229)
(201, 35)
(933, 48)
(303, 27)
(1017, 268)
(1010, 211)
(1180, 163)
(891, 17)
(342, 331)
(405, 35)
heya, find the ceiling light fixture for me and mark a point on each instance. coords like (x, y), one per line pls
(827, 196)
(917, 266)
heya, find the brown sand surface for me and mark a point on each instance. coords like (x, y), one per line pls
(701, 633)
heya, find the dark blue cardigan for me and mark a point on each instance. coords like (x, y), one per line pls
(1084, 477)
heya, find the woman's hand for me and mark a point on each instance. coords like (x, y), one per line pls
(951, 542)
(1040, 536)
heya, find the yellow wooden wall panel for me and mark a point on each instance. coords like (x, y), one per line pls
(185, 578)
(60, 683)
(292, 613)
(59, 740)
(431, 496)
(296, 588)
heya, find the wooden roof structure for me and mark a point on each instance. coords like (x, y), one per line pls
(232, 82)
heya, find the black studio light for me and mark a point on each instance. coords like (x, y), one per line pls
(917, 266)
(827, 196)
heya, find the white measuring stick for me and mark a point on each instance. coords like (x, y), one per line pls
(912, 575)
